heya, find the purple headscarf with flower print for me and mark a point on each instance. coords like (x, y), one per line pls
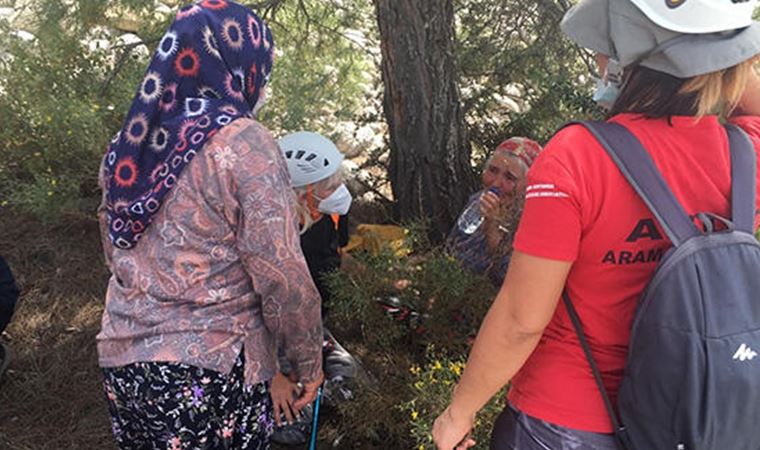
(209, 69)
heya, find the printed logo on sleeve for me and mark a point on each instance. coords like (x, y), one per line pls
(546, 190)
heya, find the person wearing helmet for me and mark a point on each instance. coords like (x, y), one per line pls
(197, 226)
(314, 164)
(486, 251)
(670, 69)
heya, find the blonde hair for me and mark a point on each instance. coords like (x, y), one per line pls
(304, 212)
(721, 90)
(659, 95)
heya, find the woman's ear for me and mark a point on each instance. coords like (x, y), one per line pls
(601, 63)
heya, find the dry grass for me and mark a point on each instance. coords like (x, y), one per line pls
(51, 396)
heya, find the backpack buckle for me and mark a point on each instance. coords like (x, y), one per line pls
(709, 220)
(622, 439)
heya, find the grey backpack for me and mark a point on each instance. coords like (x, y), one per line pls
(692, 377)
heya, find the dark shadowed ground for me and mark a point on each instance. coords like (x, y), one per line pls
(51, 395)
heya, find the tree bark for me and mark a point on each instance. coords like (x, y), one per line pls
(430, 171)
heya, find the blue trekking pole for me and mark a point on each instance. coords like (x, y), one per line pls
(315, 421)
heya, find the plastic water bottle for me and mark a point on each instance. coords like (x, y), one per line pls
(471, 219)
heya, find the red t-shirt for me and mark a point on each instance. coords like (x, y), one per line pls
(580, 208)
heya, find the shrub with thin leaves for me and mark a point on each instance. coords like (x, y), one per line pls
(440, 307)
(69, 70)
(432, 383)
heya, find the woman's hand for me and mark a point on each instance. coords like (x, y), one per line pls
(284, 392)
(492, 209)
(452, 431)
(490, 204)
(309, 393)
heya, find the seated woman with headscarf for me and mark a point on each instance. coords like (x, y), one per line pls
(486, 251)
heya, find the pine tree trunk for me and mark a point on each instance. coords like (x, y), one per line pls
(430, 171)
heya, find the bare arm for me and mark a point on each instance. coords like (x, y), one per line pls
(509, 334)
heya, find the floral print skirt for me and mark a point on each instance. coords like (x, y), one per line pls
(170, 406)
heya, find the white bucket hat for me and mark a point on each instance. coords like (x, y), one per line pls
(683, 38)
(310, 157)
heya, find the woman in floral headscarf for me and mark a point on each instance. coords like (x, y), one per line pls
(487, 250)
(199, 230)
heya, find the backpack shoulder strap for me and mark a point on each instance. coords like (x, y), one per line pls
(622, 439)
(743, 179)
(639, 169)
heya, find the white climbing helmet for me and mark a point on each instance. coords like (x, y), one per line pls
(698, 16)
(310, 156)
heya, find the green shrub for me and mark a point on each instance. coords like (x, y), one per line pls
(450, 304)
(432, 385)
(63, 98)
(65, 90)
(447, 303)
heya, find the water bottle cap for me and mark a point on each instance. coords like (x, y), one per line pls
(495, 190)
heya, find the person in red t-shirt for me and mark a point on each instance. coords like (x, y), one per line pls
(585, 229)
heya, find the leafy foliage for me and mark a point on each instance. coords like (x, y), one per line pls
(440, 304)
(520, 76)
(323, 70)
(69, 70)
(61, 100)
(412, 352)
(433, 383)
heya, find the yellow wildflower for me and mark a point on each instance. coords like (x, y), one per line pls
(415, 414)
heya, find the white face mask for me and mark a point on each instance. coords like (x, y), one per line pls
(338, 202)
(606, 94)
(608, 88)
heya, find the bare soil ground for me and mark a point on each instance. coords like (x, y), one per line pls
(51, 396)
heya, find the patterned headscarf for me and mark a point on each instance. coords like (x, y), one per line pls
(522, 148)
(209, 69)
